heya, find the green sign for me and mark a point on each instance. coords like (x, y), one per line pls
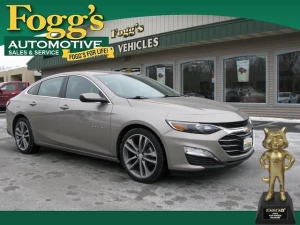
(41, 46)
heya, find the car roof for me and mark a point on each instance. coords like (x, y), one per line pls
(93, 72)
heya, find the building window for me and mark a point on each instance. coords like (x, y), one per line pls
(37, 78)
(198, 78)
(162, 73)
(288, 79)
(245, 79)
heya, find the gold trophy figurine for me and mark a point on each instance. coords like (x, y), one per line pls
(275, 141)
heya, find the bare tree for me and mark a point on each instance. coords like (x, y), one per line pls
(3, 67)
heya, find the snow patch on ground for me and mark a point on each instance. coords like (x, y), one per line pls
(254, 118)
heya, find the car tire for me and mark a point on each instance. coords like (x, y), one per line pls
(142, 156)
(24, 137)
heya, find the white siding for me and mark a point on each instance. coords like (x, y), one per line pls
(155, 25)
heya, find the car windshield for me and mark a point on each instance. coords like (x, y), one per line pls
(134, 86)
(284, 95)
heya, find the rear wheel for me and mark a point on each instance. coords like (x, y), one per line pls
(142, 155)
(24, 138)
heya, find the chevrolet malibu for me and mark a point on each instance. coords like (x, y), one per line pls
(146, 126)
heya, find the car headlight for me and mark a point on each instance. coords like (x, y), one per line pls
(196, 128)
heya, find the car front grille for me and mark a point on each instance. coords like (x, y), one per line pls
(201, 161)
(232, 143)
(238, 124)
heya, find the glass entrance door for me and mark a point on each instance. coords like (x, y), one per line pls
(162, 73)
(198, 78)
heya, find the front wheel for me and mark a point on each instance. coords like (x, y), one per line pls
(142, 156)
(24, 138)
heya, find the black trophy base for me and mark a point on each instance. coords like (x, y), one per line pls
(275, 211)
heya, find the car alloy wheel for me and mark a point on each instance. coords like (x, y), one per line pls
(140, 156)
(22, 136)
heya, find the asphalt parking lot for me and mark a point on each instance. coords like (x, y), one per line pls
(55, 180)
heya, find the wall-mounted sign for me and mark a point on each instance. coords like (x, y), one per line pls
(127, 32)
(138, 45)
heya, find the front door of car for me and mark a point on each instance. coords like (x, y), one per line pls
(41, 109)
(84, 126)
(7, 92)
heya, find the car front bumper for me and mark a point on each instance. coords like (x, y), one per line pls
(181, 160)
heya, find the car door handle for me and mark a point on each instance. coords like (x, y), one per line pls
(64, 107)
(32, 103)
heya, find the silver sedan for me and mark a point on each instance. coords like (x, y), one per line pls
(147, 126)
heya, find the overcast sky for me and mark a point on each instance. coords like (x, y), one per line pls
(12, 60)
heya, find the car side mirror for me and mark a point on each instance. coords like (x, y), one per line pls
(92, 97)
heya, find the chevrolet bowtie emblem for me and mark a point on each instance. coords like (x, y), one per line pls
(246, 129)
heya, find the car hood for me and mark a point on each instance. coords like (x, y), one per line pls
(191, 109)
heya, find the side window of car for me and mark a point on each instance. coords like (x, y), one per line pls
(22, 86)
(79, 85)
(51, 87)
(34, 90)
(9, 87)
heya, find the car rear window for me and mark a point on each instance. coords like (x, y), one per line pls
(34, 90)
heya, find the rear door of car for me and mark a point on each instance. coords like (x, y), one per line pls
(8, 91)
(84, 126)
(42, 108)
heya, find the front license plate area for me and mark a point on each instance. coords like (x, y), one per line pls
(248, 143)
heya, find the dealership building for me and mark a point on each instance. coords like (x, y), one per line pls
(19, 74)
(250, 64)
